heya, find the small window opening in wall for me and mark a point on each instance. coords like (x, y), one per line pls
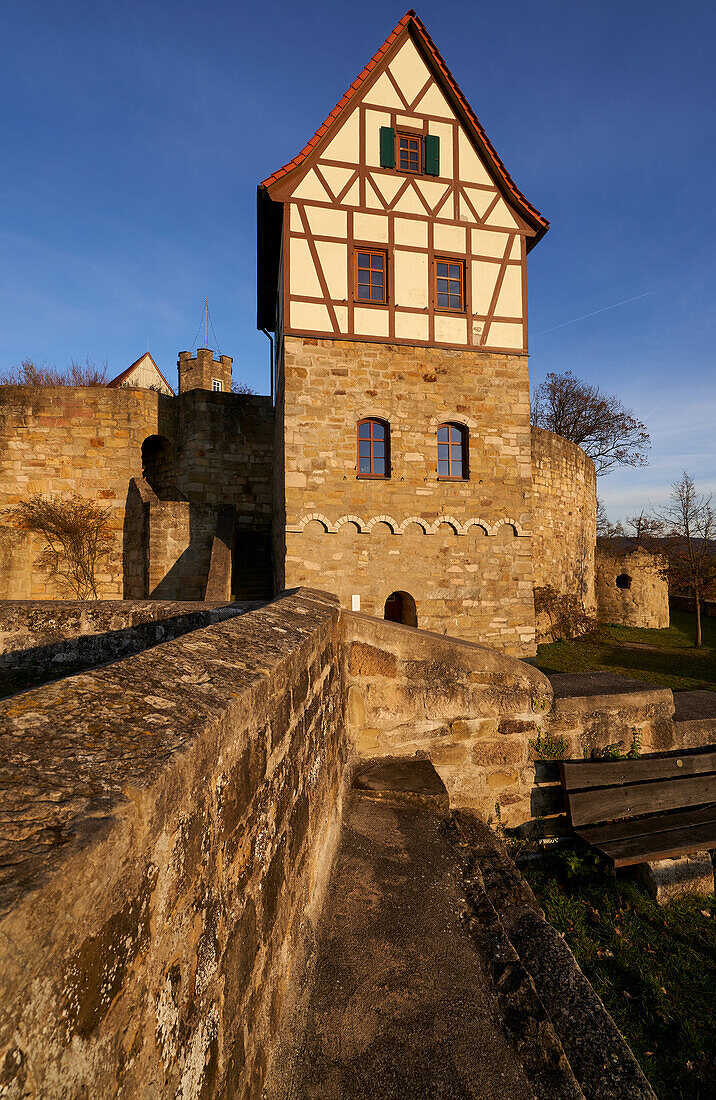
(217, 385)
(623, 580)
(400, 608)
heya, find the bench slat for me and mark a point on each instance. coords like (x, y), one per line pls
(646, 826)
(603, 804)
(580, 775)
(677, 842)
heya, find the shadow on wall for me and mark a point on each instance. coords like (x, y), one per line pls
(168, 545)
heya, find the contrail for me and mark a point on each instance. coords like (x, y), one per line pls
(596, 311)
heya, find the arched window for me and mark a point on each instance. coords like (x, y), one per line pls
(373, 448)
(452, 451)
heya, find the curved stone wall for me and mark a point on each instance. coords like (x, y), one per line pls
(632, 588)
(564, 517)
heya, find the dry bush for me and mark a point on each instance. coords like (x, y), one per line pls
(565, 611)
(29, 374)
(77, 535)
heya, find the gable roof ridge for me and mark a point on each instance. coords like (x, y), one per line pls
(411, 18)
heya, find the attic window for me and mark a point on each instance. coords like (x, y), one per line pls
(409, 152)
(217, 385)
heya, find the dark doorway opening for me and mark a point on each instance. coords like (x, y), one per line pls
(158, 465)
(252, 573)
(400, 608)
(623, 580)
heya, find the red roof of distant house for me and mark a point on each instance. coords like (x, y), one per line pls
(125, 373)
(410, 21)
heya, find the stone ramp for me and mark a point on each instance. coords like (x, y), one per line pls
(400, 1005)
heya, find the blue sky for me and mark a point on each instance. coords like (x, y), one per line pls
(134, 135)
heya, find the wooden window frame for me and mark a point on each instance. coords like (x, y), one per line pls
(370, 250)
(440, 259)
(411, 135)
(464, 438)
(372, 476)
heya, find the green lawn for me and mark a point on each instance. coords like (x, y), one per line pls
(673, 662)
(654, 968)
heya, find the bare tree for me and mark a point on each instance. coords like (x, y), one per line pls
(77, 535)
(598, 422)
(605, 528)
(77, 374)
(690, 522)
(645, 529)
(241, 387)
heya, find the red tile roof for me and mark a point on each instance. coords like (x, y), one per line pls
(115, 382)
(411, 22)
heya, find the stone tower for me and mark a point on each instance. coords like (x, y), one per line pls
(203, 372)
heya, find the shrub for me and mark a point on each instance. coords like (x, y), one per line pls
(29, 374)
(77, 535)
(565, 611)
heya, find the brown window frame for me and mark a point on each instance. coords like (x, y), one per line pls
(464, 462)
(409, 135)
(386, 425)
(370, 250)
(438, 259)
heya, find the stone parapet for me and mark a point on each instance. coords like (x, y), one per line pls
(171, 832)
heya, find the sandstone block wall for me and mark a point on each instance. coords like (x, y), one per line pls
(163, 854)
(645, 600)
(472, 712)
(461, 549)
(564, 517)
(89, 440)
(44, 639)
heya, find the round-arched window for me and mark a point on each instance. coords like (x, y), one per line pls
(452, 451)
(373, 448)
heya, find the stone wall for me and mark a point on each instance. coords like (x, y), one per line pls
(164, 856)
(564, 518)
(470, 711)
(461, 549)
(44, 639)
(632, 588)
(60, 440)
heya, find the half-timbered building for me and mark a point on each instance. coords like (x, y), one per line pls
(392, 271)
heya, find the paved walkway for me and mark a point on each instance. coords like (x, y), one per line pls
(400, 1008)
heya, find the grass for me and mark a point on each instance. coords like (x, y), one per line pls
(654, 968)
(673, 661)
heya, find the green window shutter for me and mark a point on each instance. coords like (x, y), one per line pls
(387, 147)
(432, 155)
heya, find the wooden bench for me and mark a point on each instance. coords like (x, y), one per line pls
(653, 807)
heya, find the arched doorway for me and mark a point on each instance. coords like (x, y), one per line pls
(400, 608)
(158, 463)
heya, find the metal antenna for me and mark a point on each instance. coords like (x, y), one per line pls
(208, 324)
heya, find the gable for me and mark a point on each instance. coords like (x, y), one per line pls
(407, 75)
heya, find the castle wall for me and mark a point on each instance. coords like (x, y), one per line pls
(64, 440)
(461, 549)
(183, 810)
(564, 517)
(642, 597)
